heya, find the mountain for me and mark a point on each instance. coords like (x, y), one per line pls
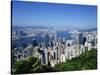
(88, 30)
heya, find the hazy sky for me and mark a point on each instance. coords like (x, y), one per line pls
(71, 16)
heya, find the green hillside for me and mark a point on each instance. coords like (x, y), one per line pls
(86, 61)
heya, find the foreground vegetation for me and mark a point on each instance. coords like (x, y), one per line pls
(85, 61)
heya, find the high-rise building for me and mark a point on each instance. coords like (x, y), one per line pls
(63, 58)
(43, 55)
(55, 35)
(84, 40)
(89, 46)
(46, 39)
(46, 56)
(80, 38)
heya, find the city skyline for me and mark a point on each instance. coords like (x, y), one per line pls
(60, 15)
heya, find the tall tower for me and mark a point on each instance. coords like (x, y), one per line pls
(47, 39)
(55, 35)
(79, 38)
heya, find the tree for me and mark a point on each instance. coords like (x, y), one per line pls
(23, 66)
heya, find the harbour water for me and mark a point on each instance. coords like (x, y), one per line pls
(39, 38)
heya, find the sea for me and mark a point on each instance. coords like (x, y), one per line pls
(38, 38)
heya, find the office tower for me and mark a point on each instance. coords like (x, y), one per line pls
(95, 39)
(89, 37)
(55, 34)
(41, 58)
(74, 51)
(43, 55)
(58, 53)
(51, 44)
(89, 46)
(63, 58)
(29, 50)
(81, 49)
(54, 53)
(57, 50)
(80, 38)
(84, 40)
(46, 39)
(77, 50)
(67, 49)
(46, 56)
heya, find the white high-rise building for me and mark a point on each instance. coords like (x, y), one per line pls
(41, 58)
(63, 58)
(82, 49)
(74, 51)
(46, 55)
(89, 46)
(29, 50)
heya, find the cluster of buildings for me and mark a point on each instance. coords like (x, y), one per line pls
(58, 51)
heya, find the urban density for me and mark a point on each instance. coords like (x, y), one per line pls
(51, 49)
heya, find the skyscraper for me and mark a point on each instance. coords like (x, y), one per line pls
(84, 40)
(55, 35)
(80, 38)
(47, 39)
